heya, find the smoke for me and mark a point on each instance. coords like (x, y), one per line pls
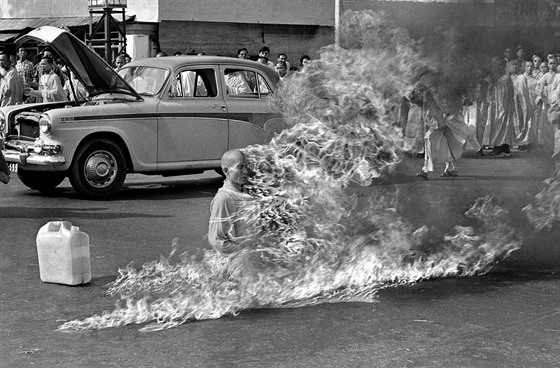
(311, 241)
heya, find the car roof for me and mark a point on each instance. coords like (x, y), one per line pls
(173, 62)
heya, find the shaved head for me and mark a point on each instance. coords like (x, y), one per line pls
(232, 157)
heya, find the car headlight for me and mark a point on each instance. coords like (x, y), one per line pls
(45, 124)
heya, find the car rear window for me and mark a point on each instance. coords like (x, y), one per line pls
(241, 83)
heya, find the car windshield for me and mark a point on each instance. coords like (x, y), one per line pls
(145, 80)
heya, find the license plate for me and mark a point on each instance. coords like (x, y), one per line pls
(13, 167)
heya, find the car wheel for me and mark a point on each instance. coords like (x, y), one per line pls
(43, 181)
(98, 169)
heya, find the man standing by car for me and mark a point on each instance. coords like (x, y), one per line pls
(11, 88)
(24, 68)
(50, 86)
(11, 92)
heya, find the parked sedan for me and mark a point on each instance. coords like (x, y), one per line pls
(167, 116)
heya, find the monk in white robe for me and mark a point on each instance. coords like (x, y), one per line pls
(502, 114)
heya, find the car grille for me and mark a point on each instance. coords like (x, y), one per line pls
(26, 126)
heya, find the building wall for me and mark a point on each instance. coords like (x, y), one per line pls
(43, 8)
(226, 38)
(488, 27)
(144, 10)
(297, 12)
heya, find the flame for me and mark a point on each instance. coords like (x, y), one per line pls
(369, 250)
(545, 209)
(311, 241)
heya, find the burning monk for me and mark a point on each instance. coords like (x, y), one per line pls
(226, 230)
(446, 135)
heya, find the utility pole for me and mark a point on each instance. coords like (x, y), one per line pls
(336, 22)
(107, 8)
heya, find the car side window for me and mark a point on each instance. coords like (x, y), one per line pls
(194, 83)
(241, 83)
(246, 84)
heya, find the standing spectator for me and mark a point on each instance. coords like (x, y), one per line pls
(11, 92)
(283, 57)
(550, 55)
(554, 115)
(503, 108)
(50, 86)
(237, 84)
(544, 129)
(11, 86)
(508, 55)
(282, 69)
(24, 68)
(120, 61)
(445, 138)
(524, 106)
(537, 60)
(74, 89)
(468, 100)
(481, 105)
(262, 60)
(303, 60)
(521, 58)
(411, 119)
(547, 79)
(243, 53)
(56, 68)
(264, 51)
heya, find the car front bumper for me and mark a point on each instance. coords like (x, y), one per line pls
(32, 158)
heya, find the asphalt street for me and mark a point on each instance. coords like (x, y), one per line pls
(507, 318)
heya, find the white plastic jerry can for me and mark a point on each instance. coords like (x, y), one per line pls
(63, 252)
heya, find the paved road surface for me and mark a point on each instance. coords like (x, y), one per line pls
(508, 318)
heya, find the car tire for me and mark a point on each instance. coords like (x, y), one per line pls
(98, 169)
(43, 181)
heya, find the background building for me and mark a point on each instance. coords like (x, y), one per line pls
(216, 27)
(18, 17)
(486, 25)
(295, 27)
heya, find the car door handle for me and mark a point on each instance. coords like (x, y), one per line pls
(223, 107)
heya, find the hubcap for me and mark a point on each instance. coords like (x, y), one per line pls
(100, 169)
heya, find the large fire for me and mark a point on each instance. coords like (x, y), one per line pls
(312, 240)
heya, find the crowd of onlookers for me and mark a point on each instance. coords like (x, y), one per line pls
(47, 79)
(514, 105)
(282, 66)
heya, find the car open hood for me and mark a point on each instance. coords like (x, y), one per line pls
(95, 74)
